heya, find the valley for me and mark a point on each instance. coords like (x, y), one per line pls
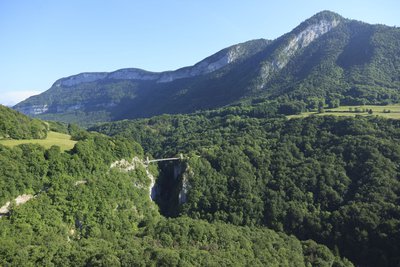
(279, 152)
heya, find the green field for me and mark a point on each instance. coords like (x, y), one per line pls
(353, 111)
(53, 138)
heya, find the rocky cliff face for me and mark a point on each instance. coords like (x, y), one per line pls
(295, 43)
(127, 166)
(33, 109)
(215, 62)
(186, 176)
(208, 65)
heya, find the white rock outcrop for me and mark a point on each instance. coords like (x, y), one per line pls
(18, 201)
(127, 166)
(81, 78)
(34, 109)
(208, 65)
(301, 40)
(182, 197)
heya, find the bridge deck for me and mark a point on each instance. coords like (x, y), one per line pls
(156, 160)
(165, 159)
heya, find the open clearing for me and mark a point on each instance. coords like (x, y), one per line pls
(53, 138)
(388, 111)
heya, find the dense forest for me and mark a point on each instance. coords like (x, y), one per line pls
(259, 190)
(85, 213)
(246, 186)
(334, 180)
(15, 125)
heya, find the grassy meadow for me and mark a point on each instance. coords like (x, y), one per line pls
(53, 138)
(388, 111)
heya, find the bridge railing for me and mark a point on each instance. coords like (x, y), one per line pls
(163, 159)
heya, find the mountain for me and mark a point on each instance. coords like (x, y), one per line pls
(114, 94)
(326, 56)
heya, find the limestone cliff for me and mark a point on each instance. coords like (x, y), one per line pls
(208, 65)
(293, 44)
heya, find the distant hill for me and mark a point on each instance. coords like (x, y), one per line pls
(327, 57)
(15, 125)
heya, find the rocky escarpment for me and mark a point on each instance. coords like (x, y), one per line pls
(127, 166)
(170, 189)
(34, 109)
(208, 65)
(301, 64)
(294, 43)
(186, 176)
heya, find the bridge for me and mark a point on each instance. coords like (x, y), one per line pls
(164, 159)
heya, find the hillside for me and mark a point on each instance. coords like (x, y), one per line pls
(15, 125)
(327, 57)
(81, 209)
(330, 179)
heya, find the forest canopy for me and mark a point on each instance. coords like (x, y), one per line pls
(330, 179)
(85, 213)
(15, 125)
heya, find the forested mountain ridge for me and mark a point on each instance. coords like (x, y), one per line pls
(88, 213)
(326, 57)
(15, 125)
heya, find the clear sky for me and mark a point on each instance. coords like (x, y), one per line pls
(44, 40)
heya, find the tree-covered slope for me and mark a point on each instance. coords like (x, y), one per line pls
(331, 179)
(16, 125)
(85, 210)
(326, 56)
(356, 63)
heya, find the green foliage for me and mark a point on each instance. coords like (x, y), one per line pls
(85, 213)
(15, 125)
(58, 127)
(291, 108)
(201, 243)
(330, 179)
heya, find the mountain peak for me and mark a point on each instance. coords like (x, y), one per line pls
(327, 14)
(298, 39)
(323, 17)
(325, 55)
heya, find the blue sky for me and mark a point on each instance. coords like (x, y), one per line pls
(44, 40)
